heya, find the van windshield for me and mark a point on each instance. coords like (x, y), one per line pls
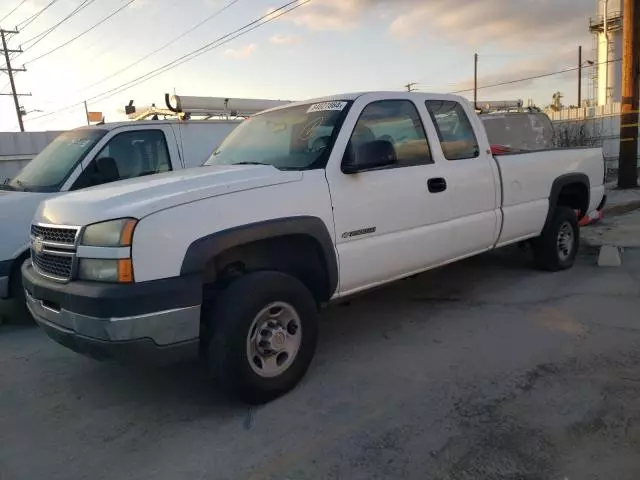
(48, 171)
(292, 138)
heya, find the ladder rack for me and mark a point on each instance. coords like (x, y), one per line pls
(185, 107)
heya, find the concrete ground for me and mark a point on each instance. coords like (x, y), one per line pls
(486, 369)
(619, 231)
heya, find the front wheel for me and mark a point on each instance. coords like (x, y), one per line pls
(556, 248)
(263, 334)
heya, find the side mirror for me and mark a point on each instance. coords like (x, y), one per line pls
(369, 155)
(106, 170)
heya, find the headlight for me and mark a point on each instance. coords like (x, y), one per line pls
(105, 270)
(114, 233)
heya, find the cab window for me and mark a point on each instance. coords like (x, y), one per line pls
(457, 138)
(127, 155)
(397, 122)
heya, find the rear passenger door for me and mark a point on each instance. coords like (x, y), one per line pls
(470, 218)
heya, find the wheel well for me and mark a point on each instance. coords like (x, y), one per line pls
(298, 255)
(576, 196)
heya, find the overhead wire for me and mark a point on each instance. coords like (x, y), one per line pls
(269, 17)
(170, 42)
(533, 77)
(25, 23)
(42, 35)
(62, 45)
(13, 10)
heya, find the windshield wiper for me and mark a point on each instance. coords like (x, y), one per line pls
(19, 182)
(251, 163)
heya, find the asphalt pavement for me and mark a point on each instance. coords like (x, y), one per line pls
(486, 369)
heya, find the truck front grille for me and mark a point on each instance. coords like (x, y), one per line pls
(53, 250)
(64, 235)
(57, 266)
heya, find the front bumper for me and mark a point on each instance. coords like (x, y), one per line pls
(148, 322)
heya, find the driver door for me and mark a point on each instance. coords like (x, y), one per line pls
(126, 154)
(379, 213)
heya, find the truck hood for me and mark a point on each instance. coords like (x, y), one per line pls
(16, 213)
(143, 196)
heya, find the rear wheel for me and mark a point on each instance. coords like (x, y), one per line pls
(556, 248)
(263, 332)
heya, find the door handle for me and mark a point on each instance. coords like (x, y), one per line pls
(437, 185)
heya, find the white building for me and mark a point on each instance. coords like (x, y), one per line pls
(606, 28)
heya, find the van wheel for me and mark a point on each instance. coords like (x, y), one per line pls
(556, 248)
(263, 332)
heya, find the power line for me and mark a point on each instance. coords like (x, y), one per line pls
(13, 10)
(269, 17)
(42, 35)
(534, 77)
(115, 12)
(133, 64)
(22, 25)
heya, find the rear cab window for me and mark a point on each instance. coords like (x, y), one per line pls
(455, 132)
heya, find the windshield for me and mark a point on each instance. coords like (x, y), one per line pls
(293, 138)
(51, 167)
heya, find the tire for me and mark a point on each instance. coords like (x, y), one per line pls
(16, 290)
(556, 248)
(16, 294)
(252, 373)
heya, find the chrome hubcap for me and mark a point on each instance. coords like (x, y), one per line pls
(565, 241)
(274, 339)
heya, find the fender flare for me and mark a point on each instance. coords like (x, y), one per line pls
(559, 183)
(204, 249)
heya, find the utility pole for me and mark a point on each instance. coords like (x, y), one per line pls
(86, 112)
(579, 76)
(9, 72)
(475, 81)
(409, 86)
(628, 159)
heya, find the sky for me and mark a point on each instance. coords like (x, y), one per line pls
(323, 47)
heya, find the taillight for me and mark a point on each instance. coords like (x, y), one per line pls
(499, 149)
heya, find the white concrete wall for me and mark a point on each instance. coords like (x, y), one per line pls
(594, 126)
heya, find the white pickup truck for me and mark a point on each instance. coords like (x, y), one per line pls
(300, 205)
(92, 156)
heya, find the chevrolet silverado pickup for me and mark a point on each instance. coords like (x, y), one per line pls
(300, 205)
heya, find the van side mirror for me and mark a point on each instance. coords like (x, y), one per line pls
(368, 155)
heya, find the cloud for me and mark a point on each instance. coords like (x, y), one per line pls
(284, 39)
(510, 22)
(243, 52)
(330, 14)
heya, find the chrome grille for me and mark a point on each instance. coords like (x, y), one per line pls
(57, 266)
(64, 235)
(53, 250)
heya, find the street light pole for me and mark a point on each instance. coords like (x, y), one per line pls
(579, 76)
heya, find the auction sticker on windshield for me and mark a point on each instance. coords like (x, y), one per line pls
(325, 106)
